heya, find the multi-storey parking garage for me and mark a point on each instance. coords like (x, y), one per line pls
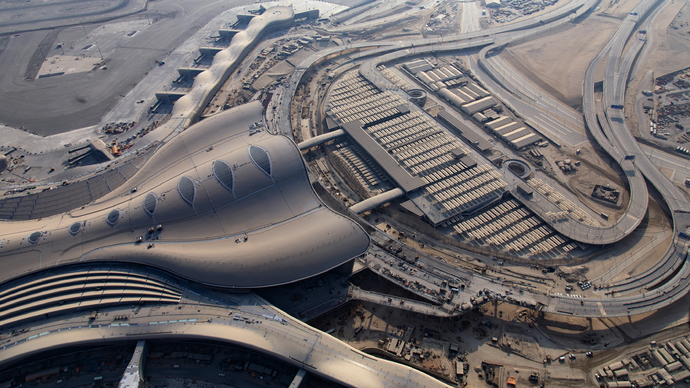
(435, 170)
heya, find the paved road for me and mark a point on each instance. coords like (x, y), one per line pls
(470, 17)
(679, 166)
(246, 320)
(17, 17)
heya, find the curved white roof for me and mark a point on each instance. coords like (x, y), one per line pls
(237, 210)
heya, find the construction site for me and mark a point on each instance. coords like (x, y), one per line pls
(383, 193)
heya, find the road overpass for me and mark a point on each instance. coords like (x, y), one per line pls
(244, 320)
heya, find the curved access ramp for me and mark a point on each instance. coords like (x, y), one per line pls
(612, 123)
(253, 324)
(637, 206)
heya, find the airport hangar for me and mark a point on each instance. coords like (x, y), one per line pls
(225, 204)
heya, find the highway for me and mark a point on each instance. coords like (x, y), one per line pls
(679, 167)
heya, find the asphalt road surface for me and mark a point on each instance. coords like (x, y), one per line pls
(54, 105)
(18, 16)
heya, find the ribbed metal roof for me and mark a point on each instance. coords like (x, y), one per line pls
(261, 159)
(34, 237)
(113, 217)
(150, 203)
(223, 172)
(75, 228)
(187, 189)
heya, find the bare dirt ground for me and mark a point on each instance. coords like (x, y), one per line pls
(647, 244)
(68, 64)
(557, 63)
(548, 9)
(524, 337)
(523, 348)
(594, 169)
(666, 51)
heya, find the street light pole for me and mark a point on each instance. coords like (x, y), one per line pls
(83, 29)
(99, 50)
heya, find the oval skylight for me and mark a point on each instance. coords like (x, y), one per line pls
(187, 189)
(150, 203)
(113, 217)
(223, 173)
(34, 237)
(75, 228)
(261, 159)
